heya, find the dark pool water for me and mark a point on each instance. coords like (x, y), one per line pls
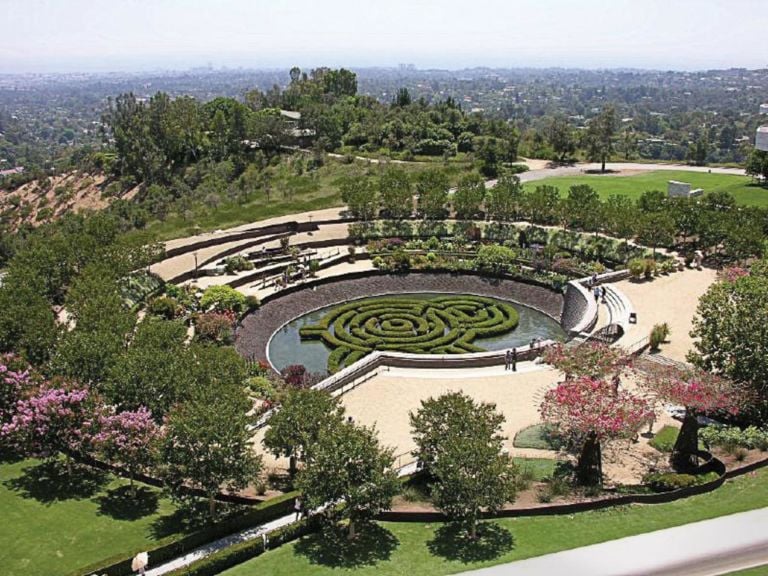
(286, 346)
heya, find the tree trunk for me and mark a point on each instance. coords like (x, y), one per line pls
(132, 485)
(603, 162)
(292, 466)
(351, 533)
(684, 454)
(473, 530)
(589, 468)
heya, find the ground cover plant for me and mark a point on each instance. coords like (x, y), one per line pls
(421, 325)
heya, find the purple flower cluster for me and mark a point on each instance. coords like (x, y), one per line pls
(50, 421)
(128, 437)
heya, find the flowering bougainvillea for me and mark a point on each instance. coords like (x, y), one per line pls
(700, 392)
(589, 412)
(586, 406)
(732, 273)
(592, 359)
(53, 420)
(128, 438)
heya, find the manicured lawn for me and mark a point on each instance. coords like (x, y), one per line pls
(540, 468)
(665, 439)
(55, 525)
(633, 186)
(535, 437)
(413, 548)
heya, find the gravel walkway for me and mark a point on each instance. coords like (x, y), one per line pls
(253, 335)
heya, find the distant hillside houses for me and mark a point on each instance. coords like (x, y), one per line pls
(12, 171)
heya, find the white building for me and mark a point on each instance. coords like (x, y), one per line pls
(761, 140)
(763, 108)
(677, 189)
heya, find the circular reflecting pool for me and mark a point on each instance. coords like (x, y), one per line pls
(327, 339)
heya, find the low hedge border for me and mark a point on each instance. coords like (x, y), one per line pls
(172, 547)
(244, 551)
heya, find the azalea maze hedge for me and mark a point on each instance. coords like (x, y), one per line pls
(420, 325)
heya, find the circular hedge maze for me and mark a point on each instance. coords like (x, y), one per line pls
(420, 325)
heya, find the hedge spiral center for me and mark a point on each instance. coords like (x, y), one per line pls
(435, 325)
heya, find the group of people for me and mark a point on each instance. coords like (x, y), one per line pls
(597, 291)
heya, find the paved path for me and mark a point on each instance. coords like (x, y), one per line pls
(705, 548)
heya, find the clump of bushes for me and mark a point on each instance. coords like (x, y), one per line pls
(223, 299)
(668, 481)
(215, 327)
(730, 438)
(659, 335)
(236, 264)
(645, 267)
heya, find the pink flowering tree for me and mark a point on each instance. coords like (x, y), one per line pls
(16, 380)
(701, 393)
(592, 359)
(51, 421)
(129, 439)
(589, 412)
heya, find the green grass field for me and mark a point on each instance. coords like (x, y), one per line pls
(291, 194)
(756, 571)
(414, 548)
(741, 187)
(56, 524)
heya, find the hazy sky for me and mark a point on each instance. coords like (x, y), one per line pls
(73, 35)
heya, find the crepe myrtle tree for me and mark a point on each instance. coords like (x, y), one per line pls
(348, 466)
(53, 420)
(130, 439)
(701, 393)
(303, 417)
(589, 412)
(17, 379)
(592, 359)
(459, 442)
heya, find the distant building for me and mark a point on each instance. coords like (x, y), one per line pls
(12, 171)
(763, 108)
(761, 139)
(677, 189)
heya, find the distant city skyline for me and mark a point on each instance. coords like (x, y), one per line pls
(141, 35)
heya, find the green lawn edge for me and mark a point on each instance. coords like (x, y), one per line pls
(532, 536)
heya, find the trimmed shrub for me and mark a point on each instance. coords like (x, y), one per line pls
(223, 299)
(668, 481)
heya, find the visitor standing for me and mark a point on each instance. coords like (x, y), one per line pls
(297, 506)
(514, 359)
(596, 293)
(507, 359)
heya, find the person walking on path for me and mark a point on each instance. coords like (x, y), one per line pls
(297, 506)
(514, 359)
(507, 360)
(596, 292)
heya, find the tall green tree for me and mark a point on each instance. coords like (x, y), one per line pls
(432, 190)
(208, 444)
(561, 138)
(460, 443)
(505, 200)
(361, 197)
(730, 337)
(600, 133)
(348, 466)
(303, 417)
(468, 197)
(396, 193)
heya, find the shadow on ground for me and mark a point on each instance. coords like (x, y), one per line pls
(452, 542)
(123, 503)
(373, 544)
(50, 482)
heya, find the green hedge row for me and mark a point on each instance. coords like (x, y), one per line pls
(242, 552)
(174, 546)
(441, 325)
